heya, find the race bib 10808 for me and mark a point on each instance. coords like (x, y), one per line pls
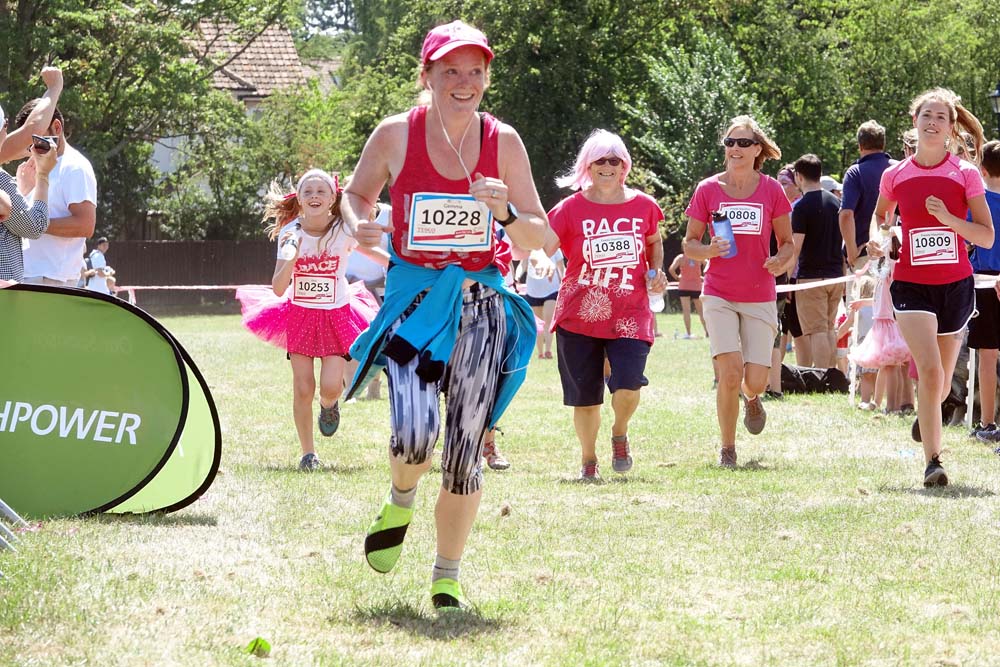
(449, 222)
(746, 218)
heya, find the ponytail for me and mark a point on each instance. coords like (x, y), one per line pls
(280, 207)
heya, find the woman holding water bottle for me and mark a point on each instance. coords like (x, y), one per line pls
(610, 237)
(743, 206)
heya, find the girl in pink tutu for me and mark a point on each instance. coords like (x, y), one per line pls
(313, 313)
(883, 347)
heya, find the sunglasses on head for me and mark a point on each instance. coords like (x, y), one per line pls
(613, 161)
(729, 142)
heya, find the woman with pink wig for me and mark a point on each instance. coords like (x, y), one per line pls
(610, 237)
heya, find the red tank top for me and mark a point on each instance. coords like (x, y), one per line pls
(690, 279)
(419, 175)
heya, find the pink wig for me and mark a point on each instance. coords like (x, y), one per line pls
(600, 143)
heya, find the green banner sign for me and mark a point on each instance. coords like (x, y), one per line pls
(101, 409)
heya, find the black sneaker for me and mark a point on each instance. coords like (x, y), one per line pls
(935, 475)
(309, 463)
(989, 434)
(976, 428)
(915, 431)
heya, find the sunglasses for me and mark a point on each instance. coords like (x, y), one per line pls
(613, 161)
(729, 142)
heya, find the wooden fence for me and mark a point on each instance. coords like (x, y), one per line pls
(168, 263)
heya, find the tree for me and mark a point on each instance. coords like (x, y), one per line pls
(132, 77)
(676, 120)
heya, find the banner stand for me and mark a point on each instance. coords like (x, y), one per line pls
(101, 409)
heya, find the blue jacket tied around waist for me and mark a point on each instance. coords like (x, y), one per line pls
(429, 332)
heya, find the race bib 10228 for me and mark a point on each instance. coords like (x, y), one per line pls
(449, 222)
(933, 245)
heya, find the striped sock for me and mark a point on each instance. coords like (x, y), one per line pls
(445, 568)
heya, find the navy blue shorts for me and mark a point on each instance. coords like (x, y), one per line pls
(540, 300)
(954, 304)
(581, 366)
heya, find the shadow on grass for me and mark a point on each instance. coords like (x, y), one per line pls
(160, 519)
(416, 621)
(753, 465)
(324, 469)
(953, 491)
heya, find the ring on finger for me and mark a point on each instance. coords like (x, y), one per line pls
(493, 194)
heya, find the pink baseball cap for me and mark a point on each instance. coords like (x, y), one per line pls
(444, 39)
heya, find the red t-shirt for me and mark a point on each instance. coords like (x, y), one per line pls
(742, 278)
(419, 175)
(931, 254)
(603, 293)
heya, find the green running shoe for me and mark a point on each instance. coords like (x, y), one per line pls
(447, 594)
(385, 537)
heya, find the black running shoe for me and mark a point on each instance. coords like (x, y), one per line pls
(935, 475)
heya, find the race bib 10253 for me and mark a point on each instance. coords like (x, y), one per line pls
(933, 245)
(449, 222)
(309, 289)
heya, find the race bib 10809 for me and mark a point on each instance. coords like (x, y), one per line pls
(449, 222)
(933, 245)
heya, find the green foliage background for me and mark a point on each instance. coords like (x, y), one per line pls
(666, 75)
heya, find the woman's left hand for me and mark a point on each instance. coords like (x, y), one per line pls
(658, 283)
(492, 192)
(937, 208)
(776, 265)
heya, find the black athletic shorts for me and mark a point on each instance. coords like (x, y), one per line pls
(984, 328)
(581, 366)
(694, 294)
(540, 300)
(954, 304)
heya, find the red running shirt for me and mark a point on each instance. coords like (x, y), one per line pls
(931, 254)
(742, 278)
(419, 175)
(603, 294)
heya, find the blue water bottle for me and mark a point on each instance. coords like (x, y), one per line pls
(721, 226)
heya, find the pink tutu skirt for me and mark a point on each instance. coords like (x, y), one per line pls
(883, 346)
(311, 332)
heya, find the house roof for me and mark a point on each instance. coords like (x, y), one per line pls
(264, 65)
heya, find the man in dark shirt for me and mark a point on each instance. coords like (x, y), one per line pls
(816, 233)
(860, 193)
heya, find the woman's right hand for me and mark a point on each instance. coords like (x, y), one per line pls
(875, 248)
(718, 246)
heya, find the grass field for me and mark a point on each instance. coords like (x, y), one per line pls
(823, 548)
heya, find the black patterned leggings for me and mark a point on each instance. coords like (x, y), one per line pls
(469, 385)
